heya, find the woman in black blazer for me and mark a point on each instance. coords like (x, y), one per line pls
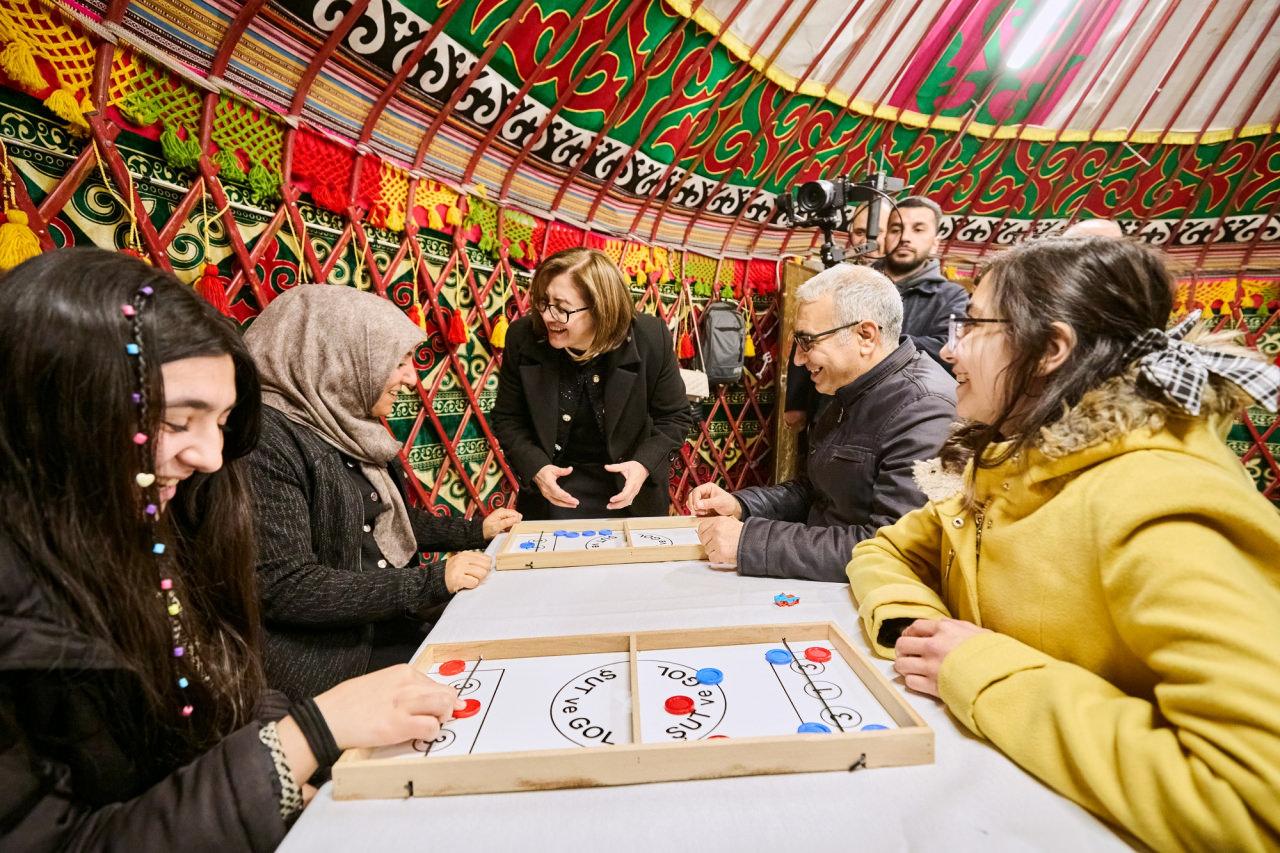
(342, 586)
(591, 408)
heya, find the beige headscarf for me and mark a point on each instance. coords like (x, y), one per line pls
(325, 352)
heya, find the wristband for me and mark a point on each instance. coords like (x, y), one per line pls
(313, 727)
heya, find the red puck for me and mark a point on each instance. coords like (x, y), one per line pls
(468, 709)
(452, 667)
(679, 705)
(718, 737)
(818, 654)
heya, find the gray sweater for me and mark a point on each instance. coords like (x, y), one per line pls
(858, 476)
(319, 604)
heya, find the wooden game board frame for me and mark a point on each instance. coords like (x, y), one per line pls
(357, 776)
(511, 557)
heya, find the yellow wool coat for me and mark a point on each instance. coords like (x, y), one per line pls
(1131, 574)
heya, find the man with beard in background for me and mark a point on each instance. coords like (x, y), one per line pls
(906, 243)
(928, 297)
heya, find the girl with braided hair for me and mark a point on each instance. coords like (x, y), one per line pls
(132, 707)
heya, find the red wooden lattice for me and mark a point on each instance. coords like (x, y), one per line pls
(734, 460)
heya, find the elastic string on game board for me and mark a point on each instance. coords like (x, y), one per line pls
(813, 686)
(465, 682)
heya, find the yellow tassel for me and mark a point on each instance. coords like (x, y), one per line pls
(748, 348)
(395, 220)
(454, 216)
(17, 241)
(498, 337)
(20, 64)
(63, 104)
(434, 222)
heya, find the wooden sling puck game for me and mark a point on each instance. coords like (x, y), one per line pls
(619, 709)
(558, 544)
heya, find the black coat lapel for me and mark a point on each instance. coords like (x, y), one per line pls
(542, 389)
(622, 368)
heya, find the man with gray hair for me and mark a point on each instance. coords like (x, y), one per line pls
(893, 406)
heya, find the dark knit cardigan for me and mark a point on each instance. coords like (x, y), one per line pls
(319, 604)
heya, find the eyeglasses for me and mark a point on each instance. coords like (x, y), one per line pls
(555, 312)
(805, 342)
(958, 327)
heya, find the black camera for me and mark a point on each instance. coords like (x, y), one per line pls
(825, 205)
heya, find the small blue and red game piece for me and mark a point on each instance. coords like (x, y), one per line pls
(786, 599)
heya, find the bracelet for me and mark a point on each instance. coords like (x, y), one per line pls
(313, 727)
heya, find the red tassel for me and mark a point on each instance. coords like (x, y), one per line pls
(210, 287)
(457, 334)
(686, 346)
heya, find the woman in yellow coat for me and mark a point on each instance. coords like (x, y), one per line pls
(1100, 595)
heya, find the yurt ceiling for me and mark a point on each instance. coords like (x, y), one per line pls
(677, 123)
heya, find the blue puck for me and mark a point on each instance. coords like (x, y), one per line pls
(526, 546)
(709, 675)
(606, 532)
(874, 727)
(570, 534)
(778, 656)
(561, 533)
(812, 728)
(588, 533)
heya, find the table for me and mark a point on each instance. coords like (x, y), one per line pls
(970, 798)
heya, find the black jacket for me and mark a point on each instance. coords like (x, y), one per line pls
(858, 475)
(318, 602)
(928, 300)
(646, 415)
(74, 772)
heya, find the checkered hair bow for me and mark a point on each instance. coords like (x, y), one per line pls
(1182, 369)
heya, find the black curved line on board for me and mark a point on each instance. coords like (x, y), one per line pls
(723, 696)
(551, 711)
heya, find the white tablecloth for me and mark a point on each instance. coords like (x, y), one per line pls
(971, 798)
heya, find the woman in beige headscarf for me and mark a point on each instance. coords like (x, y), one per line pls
(342, 588)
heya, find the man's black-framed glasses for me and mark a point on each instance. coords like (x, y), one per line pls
(959, 325)
(805, 341)
(555, 312)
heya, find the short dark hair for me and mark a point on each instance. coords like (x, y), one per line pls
(926, 202)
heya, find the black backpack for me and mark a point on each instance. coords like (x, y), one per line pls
(722, 335)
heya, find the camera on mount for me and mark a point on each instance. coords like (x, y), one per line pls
(825, 205)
